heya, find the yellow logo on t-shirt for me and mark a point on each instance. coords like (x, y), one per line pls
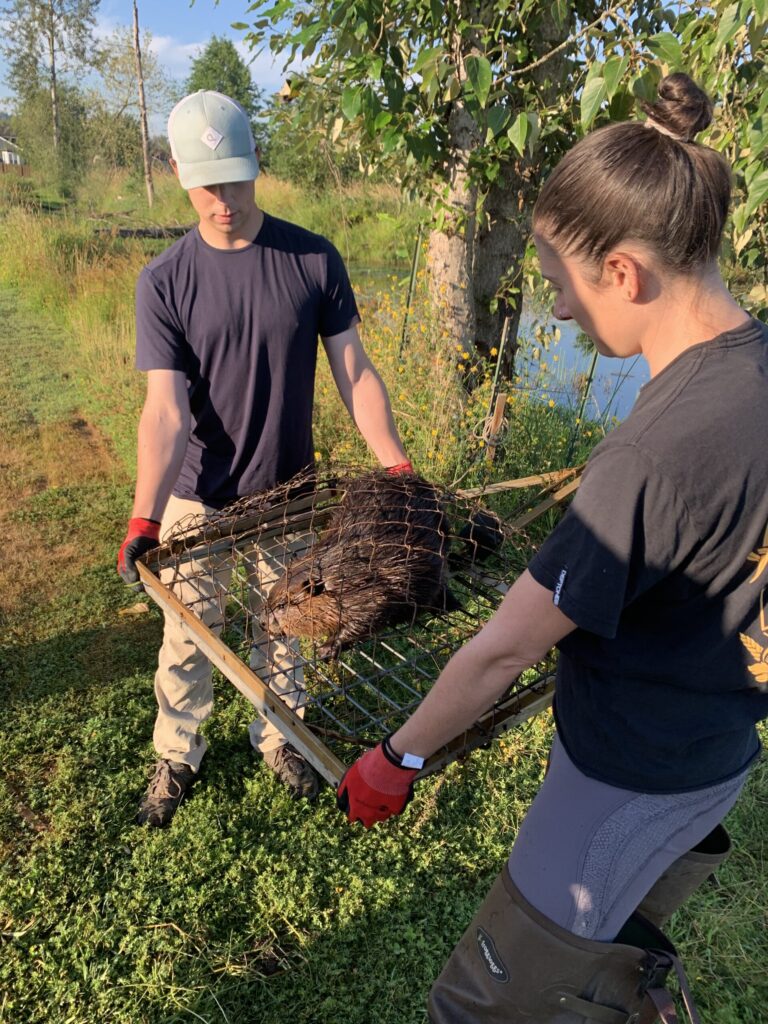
(757, 651)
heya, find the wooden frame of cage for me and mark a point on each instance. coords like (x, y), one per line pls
(507, 713)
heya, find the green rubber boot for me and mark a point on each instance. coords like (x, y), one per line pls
(515, 966)
(684, 877)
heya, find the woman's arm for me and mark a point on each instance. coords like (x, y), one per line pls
(525, 627)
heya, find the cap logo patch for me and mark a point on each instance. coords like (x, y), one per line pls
(211, 137)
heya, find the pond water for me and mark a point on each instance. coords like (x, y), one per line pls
(615, 384)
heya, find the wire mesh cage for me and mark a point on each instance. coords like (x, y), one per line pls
(334, 601)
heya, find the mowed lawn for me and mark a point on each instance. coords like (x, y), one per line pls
(251, 907)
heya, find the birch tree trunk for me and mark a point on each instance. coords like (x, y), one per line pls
(51, 39)
(142, 109)
(450, 252)
(504, 228)
(500, 249)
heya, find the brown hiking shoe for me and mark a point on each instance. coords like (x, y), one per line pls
(293, 771)
(167, 788)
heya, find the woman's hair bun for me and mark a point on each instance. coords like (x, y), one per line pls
(682, 109)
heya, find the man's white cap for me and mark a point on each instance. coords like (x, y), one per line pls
(211, 140)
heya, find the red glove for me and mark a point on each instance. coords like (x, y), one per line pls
(375, 788)
(401, 469)
(142, 536)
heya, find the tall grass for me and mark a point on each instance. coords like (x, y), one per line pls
(370, 224)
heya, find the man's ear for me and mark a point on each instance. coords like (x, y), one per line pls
(174, 166)
(624, 270)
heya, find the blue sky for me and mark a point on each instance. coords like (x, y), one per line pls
(179, 32)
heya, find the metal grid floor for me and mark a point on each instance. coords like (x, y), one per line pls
(223, 570)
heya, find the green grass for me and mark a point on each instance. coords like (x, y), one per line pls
(250, 907)
(371, 224)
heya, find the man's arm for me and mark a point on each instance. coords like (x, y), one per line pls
(364, 395)
(163, 435)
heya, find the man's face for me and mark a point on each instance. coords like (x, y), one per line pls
(224, 210)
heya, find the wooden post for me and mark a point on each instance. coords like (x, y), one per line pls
(495, 428)
(411, 283)
(142, 109)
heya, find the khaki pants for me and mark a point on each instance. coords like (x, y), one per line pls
(183, 686)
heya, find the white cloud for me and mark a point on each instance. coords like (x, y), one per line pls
(175, 55)
(105, 26)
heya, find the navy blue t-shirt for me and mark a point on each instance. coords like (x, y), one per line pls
(243, 326)
(662, 562)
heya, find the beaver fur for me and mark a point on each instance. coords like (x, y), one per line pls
(382, 558)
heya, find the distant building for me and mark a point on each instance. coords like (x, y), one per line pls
(9, 151)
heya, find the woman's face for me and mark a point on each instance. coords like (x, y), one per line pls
(598, 307)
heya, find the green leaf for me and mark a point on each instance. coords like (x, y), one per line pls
(595, 91)
(351, 102)
(395, 90)
(480, 77)
(615, 69)
(497, 121)
(758, 136)
(758, 193)
(622, 105)
(426, 57)
(560, 10)
(729, 25)
(666, 47)
(739, 217)
(533, 134)
(756, 33)
(390, 140)
(646, 85)
(382, 120)
(240, 26)
(518, 133)
(595, 70)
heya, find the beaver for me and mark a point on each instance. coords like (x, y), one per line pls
(382, 558)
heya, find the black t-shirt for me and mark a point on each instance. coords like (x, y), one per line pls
(243, 325)
(662, 562)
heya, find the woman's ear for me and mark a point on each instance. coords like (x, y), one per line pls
(624, 271)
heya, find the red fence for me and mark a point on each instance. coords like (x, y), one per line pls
(20, 170)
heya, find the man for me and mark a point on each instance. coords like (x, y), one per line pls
(227, 321)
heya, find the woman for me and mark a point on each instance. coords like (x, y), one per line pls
(650, 587)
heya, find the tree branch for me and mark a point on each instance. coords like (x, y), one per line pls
(561, 46)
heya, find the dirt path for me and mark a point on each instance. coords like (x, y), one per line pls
(49, 448)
